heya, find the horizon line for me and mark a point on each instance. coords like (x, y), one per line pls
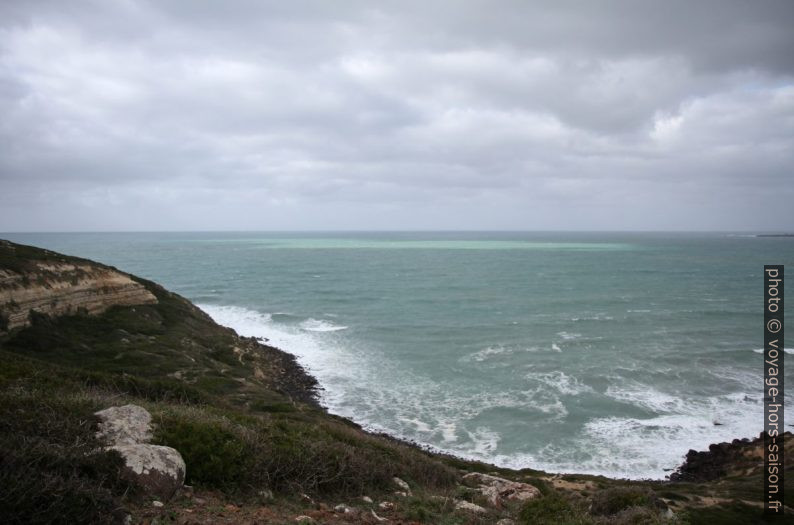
(47, 232)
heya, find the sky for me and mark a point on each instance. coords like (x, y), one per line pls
(133, 115)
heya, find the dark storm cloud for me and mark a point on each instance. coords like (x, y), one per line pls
(195, 114)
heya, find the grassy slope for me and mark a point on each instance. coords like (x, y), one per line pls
(243, 417)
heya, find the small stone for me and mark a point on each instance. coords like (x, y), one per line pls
(401, 494)
(377, 517)
(505, 521)
(304, 519)
(157, 504)
(402, 484)
(366, 499)
(469, 507)
(343, 509)
(385, 505)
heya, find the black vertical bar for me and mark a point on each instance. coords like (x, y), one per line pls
(773, 390)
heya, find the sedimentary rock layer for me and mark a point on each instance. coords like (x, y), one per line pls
(62, 288)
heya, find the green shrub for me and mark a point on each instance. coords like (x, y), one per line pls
(288, 454)
(733, 513)
(50, 470)
(214, 456)
(637, 516)
(542, 485)
(418, 509)
(552, 510)
(613, 500)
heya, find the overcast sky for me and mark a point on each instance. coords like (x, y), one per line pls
(254, 115)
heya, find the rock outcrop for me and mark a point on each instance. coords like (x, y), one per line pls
(499, 491)
(467, 506)
(741, 457)
(58, 287)
(127, 429)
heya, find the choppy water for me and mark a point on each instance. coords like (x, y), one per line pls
(571, 352)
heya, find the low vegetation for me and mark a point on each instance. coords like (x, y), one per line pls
(256, 444)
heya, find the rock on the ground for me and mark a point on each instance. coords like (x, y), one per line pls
(385, 505)
(505, 521)
(304, 519)
(402, 484)
(159, 470)
(499, 490)
(125, 425)
(469, 507)
(366, 499)
(377, 517)
(128, 430)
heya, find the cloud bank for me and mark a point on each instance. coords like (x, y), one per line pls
(249, 115)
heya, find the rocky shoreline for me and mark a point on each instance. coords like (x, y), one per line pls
(239, 421)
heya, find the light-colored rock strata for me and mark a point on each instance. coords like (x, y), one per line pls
(57, 289)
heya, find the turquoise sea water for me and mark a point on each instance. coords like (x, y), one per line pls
(610, 353)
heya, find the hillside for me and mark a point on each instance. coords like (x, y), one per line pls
(77, 337)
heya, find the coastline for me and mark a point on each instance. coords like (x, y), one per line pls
(247, 420)
(663, 475)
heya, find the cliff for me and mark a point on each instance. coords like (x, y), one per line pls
(54, 285)
(80, 337)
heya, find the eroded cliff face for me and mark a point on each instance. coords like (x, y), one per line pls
(61, 287)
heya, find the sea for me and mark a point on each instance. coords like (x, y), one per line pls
(601, 353)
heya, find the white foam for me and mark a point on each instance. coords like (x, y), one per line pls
(485, 441)
(596, 317)
(761, 350)
(560, 381)
(621, 445)
(646, 448)
(487, 353)
(569, 336)
(449, 431)
(555, 347)
(381, 394)
(315, 353)
(247, 323)
(645, 397)
(421, 426)
(315, 325)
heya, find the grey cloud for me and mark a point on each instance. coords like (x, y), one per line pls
(554, 115)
